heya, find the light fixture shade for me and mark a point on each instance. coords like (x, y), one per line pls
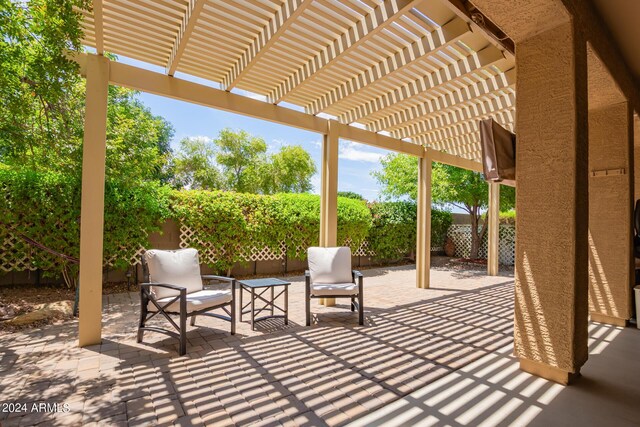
(498, 152)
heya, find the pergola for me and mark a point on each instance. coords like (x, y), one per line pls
(412, 76)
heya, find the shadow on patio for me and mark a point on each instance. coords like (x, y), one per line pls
(330, 373)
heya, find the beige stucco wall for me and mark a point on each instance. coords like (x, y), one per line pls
(551, 311)
(610, 208)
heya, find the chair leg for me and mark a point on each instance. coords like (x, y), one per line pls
(143, 316)
(353, 304)
(233, 307)
(193, 320)
(183, 327)
(307, 300)
(360, 309)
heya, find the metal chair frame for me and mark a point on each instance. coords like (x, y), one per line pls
(146, 296)
(357, 300)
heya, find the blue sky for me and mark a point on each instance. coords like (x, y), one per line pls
(189, 120)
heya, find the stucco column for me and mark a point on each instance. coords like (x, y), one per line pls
(329, 194)
(551, 290)
(493, 253)
(611, 262)
(423, 237)
(92, 204)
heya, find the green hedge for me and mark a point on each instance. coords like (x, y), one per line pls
(45, 207)
(393, 232)
(227, 220)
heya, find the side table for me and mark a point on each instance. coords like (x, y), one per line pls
(264, 286)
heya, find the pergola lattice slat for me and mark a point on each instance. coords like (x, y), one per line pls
(469, 111)
(438, 39)
(443, 102)
(357, 35)
(269, 35)
(463, 67)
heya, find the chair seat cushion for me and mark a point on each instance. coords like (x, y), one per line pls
(321, 289)
(196, 300)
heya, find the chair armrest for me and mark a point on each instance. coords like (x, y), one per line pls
(163, 285)
(221, 278)
(356, 273)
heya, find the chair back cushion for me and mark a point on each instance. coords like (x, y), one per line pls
(330, 265)
(180, 268)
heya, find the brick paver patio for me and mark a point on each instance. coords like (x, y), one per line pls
(328, 374)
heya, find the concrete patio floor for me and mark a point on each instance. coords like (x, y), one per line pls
(454, 339)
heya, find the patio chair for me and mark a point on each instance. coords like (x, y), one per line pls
(173, 286)
(330, 276)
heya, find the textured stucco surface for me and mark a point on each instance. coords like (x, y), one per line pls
(603, 90)
(610, 210)
(522, 19)
(551, 308)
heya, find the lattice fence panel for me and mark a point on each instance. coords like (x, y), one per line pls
(461, 236)
(17, 255)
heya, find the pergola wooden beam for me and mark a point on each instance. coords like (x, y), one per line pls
(453, 160)
(454, 72)
(186, 28)
(183, 90)
(98, 24)
(428, 44)
(461, 113)
(443, 102)
(362, 31)
(282, 20)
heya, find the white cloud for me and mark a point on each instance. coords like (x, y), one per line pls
(350, 151)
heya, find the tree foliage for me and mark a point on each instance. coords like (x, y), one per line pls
(237, 161)
(450, 185)
(241, 157)
(40, 89)
(42, 99)
(288, 171)
(194, 165)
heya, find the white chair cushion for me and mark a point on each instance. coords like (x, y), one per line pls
(330, 265)
(179, 268)
(196, 300)
(322, 289)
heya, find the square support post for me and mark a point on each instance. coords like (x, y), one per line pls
(611, 203)
(92, 204)
(423, 237)
(552, 247)
(493, 256)
(329, 193)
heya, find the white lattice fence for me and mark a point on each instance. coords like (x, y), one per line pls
(461, 236)
(17, 255)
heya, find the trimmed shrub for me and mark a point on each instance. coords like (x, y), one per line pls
(440, 223)
(45, 207)
(393, 232)
(223, 223)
